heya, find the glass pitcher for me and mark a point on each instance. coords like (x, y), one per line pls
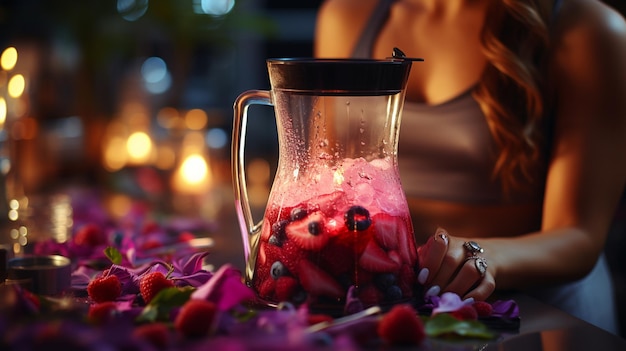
(336, 216)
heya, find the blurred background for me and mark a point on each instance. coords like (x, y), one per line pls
(101, 87)
(133, 98)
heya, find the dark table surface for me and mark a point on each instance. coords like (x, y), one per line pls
(545, 328)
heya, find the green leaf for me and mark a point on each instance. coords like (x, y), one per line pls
(113, 254)
(444, 325)
(161, 305)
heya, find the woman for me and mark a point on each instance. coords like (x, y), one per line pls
(512, 139)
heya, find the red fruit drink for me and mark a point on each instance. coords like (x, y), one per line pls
(349, 226)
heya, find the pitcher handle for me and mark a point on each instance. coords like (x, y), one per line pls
(247, 224)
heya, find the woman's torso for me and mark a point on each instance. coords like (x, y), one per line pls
(446, 152)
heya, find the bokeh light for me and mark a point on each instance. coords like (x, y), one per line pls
(132, 10)
(213, 7)
(196, 119)
(156, 76)
(16, 86)
(194, 169)
(216, 138)
(8, 60)
(3, 111)
(139, 147)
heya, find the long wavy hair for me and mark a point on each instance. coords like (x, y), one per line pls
(511, 92)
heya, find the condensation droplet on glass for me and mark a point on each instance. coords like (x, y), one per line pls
(324, 143)
(325, 156)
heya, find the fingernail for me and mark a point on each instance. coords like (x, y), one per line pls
(423, 275)
(443, 234)
(433, 291)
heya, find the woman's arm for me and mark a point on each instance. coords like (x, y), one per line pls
(587, 170)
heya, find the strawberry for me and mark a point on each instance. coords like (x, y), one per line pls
(90, 235)
(268, 253)
(395, 256)
(483, 308)
(369, 295)
(386, 230)
(406, 243)
(317, 282)
(104, 288)
(196, 318)
(185, 237)
(155, 334)
(286, 288)
(354, 239)
(308, 233)
(290, 255)
(266, 230)
(266, 288)
(152, 283)
(337, 259)
(375, 259)
(407, 280)
(151, 244)
(401, 326)
(467, 312)
(315, 318)
(102, 312)
(150, 227)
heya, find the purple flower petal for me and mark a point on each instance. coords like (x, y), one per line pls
(192, 264)
(450, 302)
(195, 279)
(225, 289)
(505, 309)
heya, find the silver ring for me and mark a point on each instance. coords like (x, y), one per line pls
(480, 263)
(473, 248)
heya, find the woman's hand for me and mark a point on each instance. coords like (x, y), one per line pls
(452, 264)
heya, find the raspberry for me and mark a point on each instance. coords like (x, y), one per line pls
(483, 308)
(104, 288)
(152, 283)
(185, 237)
(195, 318)
(151, 244)
(467, 312)
(401, 326)
(156, 334)
(101, 313)
(89, 235)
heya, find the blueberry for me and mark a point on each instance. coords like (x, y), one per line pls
(299, 296)
(278, 270)
(278, 232)
(298, 213)
(384, 281)
(315, 228)
(393, 293)
(275, 240)
(357, 218)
